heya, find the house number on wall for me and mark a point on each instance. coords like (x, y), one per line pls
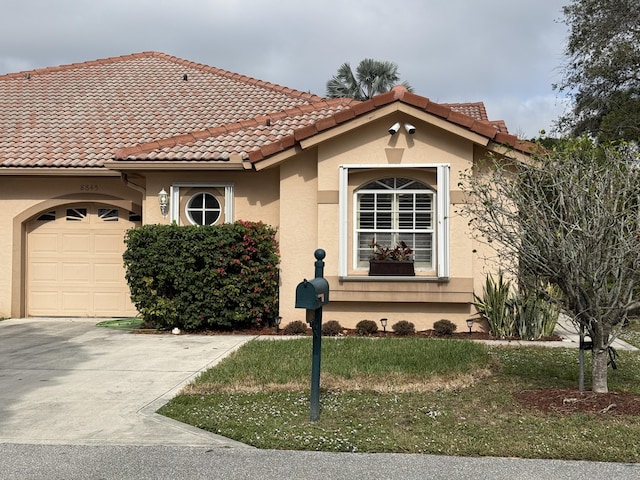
(88, 187)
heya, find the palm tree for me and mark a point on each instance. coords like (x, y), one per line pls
(371, 78)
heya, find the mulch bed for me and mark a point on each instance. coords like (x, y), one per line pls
(565, 401)
(348, 332)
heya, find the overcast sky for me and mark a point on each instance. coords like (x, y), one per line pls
(505, 53)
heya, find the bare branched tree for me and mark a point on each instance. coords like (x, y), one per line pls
(569, 218)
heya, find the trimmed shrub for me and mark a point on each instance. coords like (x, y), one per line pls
(332, 328)
(444, 327)
(366, 327)
(204, 277)
(404, 328)
(297, 327)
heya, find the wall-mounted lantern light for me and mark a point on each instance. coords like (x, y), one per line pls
(163, 200)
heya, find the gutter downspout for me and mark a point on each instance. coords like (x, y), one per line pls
(142, 190)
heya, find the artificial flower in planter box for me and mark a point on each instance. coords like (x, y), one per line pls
(391, 261)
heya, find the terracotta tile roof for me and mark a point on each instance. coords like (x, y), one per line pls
(219, 143)
(256, 140)
(151, 106)
(476, 110)
(79, 115)
(494, 131)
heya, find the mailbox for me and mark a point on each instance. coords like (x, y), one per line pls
(586, 344)
(312, 294)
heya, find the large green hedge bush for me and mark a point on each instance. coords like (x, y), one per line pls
(211, 277)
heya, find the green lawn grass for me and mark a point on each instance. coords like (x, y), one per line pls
(407, 395)
(132, 323)
(631, 333)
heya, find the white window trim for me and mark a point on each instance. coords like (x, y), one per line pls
(442, 214)
(174, 204)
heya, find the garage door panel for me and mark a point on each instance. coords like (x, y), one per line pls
(44, 301)
(108, 244)
(44, 244)
(108, 273)
(74, 273)
(76, 303)
(106, 303)
(44, 272)
(75, 268)
(74, 243)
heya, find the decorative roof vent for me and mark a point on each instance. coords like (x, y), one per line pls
(185, 77)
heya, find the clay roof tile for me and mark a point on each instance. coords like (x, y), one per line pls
(100, 106)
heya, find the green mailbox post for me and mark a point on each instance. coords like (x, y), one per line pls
(312, 295)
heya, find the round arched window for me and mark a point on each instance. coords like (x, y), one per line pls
(203, 209)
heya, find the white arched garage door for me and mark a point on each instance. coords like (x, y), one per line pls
(74, 262)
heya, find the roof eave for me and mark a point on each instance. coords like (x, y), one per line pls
(59, 171)
(139, 165)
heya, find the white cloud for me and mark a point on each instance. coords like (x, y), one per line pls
(527, 117)
(502, 52)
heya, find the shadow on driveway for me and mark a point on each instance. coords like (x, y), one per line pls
(66, 381)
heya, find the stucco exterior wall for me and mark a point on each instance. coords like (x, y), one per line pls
(23, 198)
(298, 227)
(420, 300)
(255, 193)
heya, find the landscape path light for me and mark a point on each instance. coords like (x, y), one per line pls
(470, 324)
(383, 321)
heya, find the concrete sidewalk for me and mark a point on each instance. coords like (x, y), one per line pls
(566, 330)
(569, 332)
(68, 382)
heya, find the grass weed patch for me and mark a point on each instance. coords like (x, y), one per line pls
(348, 363)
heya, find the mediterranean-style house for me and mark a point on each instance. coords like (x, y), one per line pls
(86, 149)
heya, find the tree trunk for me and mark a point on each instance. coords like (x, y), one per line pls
(599, 333)
(600, 358)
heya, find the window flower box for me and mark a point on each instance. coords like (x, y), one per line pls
(388, 261)
(391, 268)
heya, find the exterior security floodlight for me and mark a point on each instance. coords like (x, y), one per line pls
(409, 128)
(163, 200)
(394, 128)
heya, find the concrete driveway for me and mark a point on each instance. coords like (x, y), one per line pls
(66, 381)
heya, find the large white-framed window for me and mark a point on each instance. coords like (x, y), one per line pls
(391, 210)
(399, 207)
(197, 203)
